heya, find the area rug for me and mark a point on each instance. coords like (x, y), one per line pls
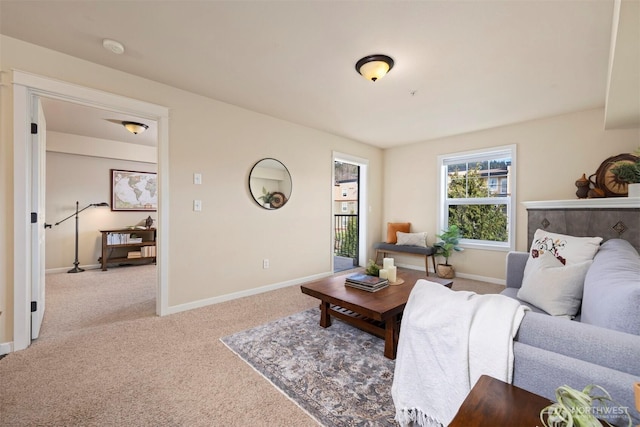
(338, 375)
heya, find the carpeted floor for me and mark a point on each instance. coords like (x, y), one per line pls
(105, 359)
(339, 375)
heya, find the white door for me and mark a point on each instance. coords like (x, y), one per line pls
(38, 177)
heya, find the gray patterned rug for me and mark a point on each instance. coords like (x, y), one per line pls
(338, 375)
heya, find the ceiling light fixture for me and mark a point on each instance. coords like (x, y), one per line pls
(113, 46)
(135, 127)
(374, 67)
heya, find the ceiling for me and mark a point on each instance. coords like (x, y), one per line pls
(76, 119)
(460, 66)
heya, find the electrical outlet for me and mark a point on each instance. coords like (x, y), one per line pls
(265, 263)
(197, 205)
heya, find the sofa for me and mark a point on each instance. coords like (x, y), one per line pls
(601, 345)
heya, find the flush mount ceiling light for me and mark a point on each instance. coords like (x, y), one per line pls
(373, 67)
(113, 46)
(135, 127)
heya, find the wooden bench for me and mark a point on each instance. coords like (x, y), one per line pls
(387, 248)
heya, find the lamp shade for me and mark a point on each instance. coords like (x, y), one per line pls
(374, 67)
(135, 127)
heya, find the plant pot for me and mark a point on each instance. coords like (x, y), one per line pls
(633, 190)
(445, 271)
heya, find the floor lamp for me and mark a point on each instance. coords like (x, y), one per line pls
(77, 269)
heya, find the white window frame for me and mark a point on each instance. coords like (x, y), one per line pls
(509, 201)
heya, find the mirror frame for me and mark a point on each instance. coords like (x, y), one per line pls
(282, 195)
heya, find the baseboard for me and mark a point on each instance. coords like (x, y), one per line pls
(494, 280)
(241, 294)
(411, 266)
(461, 275)
(65, 269)
(6, 348)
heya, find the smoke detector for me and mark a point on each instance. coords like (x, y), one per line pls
(113, 46)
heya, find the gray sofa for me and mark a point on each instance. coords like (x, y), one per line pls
(600, 346)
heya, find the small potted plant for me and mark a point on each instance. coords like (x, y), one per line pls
(266, 198)
(629, 172)
(448, 244)
(373, 269)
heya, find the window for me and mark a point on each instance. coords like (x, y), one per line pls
(477, 193)
(493, 185)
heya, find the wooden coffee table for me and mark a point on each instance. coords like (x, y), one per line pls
(378, 313)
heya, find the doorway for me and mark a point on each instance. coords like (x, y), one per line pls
(83, 145)
(345, 218)
(349, 218)
(27, 88)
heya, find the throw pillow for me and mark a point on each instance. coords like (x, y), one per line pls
(611, 294)
(567, 249)
(554, 287)
(394, 227)
(412, 239)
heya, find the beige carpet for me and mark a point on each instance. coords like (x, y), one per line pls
(105, 359)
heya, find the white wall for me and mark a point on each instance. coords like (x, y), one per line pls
(72, 177)
(552, 154)
(218, 251)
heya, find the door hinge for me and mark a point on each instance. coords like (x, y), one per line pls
(34, 306)
(34, 217)
(34, 128)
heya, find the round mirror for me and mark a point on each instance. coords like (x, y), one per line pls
(270, 184)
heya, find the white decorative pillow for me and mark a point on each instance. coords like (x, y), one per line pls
(412, 239)
(567, 249)
(554, 287)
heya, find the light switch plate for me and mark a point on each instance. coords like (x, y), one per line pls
(197, 178)
(197, 205)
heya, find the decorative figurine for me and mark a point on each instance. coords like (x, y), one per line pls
(583, 187)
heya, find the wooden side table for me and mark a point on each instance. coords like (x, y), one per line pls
(492, 402)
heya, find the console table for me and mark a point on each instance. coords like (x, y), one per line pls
(611, 217)
(117, 246)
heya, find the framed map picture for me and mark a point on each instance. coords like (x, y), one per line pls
(134, 191)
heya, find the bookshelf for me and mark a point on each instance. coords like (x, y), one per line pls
(118, 246)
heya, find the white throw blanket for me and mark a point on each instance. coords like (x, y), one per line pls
(449, 339)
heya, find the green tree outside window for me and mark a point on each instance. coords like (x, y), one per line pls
(478, 222)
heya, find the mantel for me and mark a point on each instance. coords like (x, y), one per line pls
(609, 218)
(601, 203)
